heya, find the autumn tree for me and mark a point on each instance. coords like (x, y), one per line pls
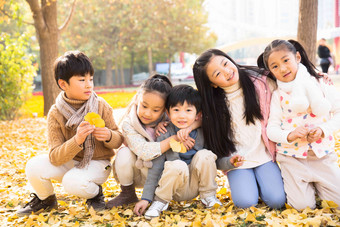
(183, 28)
(307, 27)
(102, 29)
(44, 14)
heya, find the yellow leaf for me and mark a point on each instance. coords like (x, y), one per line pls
(128, 212)
(177, 146)
(92, 212)
(250, 218)
(328, 204)
(62, 203)
(197, 211)
(197, 223)
(119, 218)
(94, 119)
(41, 218)
(98, 122)
(223, 191)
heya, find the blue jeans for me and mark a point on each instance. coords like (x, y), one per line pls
(247, 185)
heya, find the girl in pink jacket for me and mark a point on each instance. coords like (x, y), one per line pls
(235, 107)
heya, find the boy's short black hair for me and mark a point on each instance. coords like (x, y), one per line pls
(72, 63)
(184, 93)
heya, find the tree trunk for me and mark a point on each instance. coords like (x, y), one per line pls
(307, 27)
(48, 54)
(122, 76)
(169, 71)
(116, 72)
(44, 14)
(45, 23)
(132, 61)
(150, 61)
(108, 73)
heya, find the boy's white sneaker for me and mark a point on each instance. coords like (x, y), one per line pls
(156, 209)
(211, 201)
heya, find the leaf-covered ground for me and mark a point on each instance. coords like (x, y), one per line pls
(22, 139)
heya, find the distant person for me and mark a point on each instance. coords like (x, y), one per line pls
(79, 153)
(325, 56)
(304, 113)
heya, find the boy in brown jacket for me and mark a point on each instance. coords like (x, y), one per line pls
(79, 153)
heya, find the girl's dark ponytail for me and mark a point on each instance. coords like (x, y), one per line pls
(260, 62)
(304, 58)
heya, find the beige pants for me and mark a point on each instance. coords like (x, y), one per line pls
(125, 171)
(304, 177)
(182, 182)
(79, 182)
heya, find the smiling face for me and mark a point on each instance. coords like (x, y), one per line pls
(78, 87)
(150, 107)
(222, 72)
(283, 64)
(183, 116)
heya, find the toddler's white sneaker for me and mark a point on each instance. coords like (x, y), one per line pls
(211, 201)
(156, 209)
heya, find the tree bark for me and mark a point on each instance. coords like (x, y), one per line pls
(132, 61)
(307, 27)
(44, 14)
(108, 72)
(116, 71)
(169, 71)
(45, 23)
(150, 61)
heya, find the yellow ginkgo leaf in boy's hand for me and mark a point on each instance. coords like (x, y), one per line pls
(98, 122)
(94, 119)
(177, 146)
(89, 116)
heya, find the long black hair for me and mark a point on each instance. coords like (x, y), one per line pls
(216, 123)
(291, 46)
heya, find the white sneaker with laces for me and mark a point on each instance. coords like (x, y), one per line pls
(155, 209)
(211, 201)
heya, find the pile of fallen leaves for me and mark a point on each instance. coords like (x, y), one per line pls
(22, 139)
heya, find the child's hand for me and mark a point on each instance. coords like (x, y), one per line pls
(314, 134)
(237, 160)
(140, 207)
(102, 134)
(326, 78)
(183, 134)
(189, 143)
(298, 133)
(84, 129)
(160, 128)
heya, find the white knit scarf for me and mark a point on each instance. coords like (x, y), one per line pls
(75, 117)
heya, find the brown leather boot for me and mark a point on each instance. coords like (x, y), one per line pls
(97, 202)
(127, 196)
(37, 205)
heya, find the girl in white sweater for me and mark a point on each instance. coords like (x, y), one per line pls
(304, 113)
(138, 127)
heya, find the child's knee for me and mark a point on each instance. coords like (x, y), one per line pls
(36, 165)
(245, 201)
(77, 185)
(275, 200)
(205, 156)
(302, 204)
(124, 158)
(177, 167)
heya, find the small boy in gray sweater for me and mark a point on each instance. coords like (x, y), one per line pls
(180, 176)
